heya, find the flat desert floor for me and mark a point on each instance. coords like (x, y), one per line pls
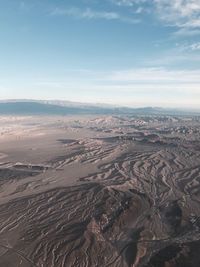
(119, 191)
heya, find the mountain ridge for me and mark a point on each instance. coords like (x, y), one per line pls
(56, 107)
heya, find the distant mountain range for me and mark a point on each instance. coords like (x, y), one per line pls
(51, 107)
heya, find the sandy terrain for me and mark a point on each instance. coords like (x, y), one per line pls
(89, 191)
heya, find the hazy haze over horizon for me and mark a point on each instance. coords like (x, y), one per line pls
(124, 52)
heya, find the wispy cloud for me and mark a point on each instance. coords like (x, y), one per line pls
(180, 13)
(129, 3)
(138, 77)
(186, 32)
(191, 47)
(90, 14)
(157, 75)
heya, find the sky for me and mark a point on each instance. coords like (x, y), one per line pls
(122, 52)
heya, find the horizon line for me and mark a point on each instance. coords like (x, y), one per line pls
(98, 104)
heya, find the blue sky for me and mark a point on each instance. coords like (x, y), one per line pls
(124, 52)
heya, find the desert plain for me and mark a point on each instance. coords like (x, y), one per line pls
(99, 191)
